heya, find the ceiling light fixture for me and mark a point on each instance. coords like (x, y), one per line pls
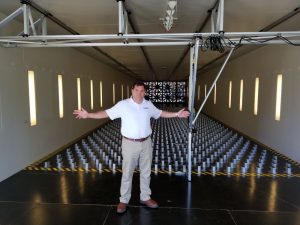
(168, 20)
(172, 4)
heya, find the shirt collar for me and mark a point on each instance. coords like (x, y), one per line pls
(131, 99)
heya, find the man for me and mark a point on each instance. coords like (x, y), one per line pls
(135, 114)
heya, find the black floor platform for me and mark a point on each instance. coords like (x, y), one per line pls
(41, 198)
(235, 181)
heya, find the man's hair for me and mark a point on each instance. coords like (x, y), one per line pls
(138, 83)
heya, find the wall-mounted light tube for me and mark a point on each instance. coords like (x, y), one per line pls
(101, 92)
(256, 92)
(78, 94)
(92, 94)
(114, 93)
(230, 91)
(32, 98)
(60, 96)
(215, 94)
(278, 97)
(241, 95)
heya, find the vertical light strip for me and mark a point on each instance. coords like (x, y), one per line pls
(114, 94)
(60, 97)
(215, 94)
(205, 90)
(78, 94)
(230, 91)
(101, 92)
(278, 97)
(92, 94)
(241, 95)
(127, 91)
(256, 91)
(32, 101)
(122, 90)
(199, 92)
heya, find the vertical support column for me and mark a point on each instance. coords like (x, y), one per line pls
(192, 85)
(212, 21)
(221, 8)
(25, 19)
(44, 26)
(220, 18)
(126, 24)
(192, 52)
(121, 16)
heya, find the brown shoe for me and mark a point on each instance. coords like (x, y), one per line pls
(122, 207)
(150, 203)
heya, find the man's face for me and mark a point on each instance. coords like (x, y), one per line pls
(138, 93)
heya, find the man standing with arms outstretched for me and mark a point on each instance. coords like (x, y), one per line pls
(135, 114)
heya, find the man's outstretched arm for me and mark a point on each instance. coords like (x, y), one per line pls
(181, 114)
(83, 114)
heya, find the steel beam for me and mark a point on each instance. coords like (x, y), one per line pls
(25, 20)
(157, 36)
(121, 16)
(220, 18)
(9, 18)
(25, 43)
(44, 26)
(192, 83)
(111, 44)
(212, 22)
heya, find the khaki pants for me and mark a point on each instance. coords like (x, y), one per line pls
(135, 153)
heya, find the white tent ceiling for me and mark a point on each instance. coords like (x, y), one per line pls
(101, 17)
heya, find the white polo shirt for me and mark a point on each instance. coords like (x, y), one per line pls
(135, 117)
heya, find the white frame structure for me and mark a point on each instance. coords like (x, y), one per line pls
(231, 39)
(173, 39)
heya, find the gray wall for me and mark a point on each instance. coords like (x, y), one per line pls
(21, 144)
(266, 63)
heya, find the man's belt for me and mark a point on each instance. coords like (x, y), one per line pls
(137, 140)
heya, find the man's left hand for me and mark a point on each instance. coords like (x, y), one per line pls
(183, 113)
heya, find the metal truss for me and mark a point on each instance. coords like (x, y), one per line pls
(151, 39)
(30, 37)
(29, 25)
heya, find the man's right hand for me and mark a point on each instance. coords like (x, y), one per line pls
(81, 114)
